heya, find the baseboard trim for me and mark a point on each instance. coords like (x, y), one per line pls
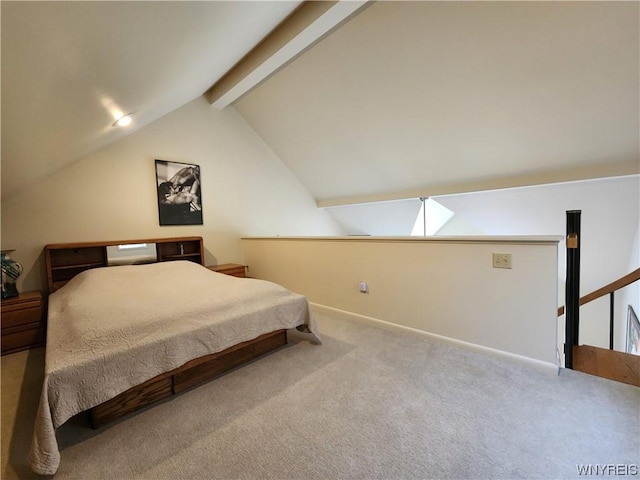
(539, 365)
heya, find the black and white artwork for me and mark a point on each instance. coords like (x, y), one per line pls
(179, 193)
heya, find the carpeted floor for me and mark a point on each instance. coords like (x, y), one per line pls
(369, 403)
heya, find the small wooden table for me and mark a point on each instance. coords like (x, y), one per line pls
(233, 269)
(22, 322)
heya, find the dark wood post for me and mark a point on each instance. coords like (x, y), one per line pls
(572, 287)
(611, 318)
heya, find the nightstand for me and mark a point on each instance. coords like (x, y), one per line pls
(22, 322)
(233, 269)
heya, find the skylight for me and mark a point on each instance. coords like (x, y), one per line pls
(431, 218)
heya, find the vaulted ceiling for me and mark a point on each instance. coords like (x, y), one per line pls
(67, 67)
(415, 99)
(404, 99)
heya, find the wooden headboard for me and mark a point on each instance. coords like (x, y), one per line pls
(65, 260)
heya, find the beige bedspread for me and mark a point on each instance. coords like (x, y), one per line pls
(110, 329)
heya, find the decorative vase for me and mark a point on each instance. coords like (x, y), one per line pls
(11, 270)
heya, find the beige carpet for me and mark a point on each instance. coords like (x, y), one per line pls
(367, 404)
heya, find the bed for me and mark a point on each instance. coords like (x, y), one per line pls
(122, 337)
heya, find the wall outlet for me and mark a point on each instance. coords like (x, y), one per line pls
(364, 288)
(501, 260)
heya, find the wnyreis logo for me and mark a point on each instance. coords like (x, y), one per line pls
(611, 469)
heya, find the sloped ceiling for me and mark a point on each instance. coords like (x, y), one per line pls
(405, 99)
(68, 66)
(426, 98)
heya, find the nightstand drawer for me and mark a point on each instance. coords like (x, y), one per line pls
(20, 317)
(23, 337)
(22, 322)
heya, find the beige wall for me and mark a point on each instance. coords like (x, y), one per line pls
(111, 194)
(443, 286)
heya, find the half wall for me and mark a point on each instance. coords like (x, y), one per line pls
(445, 286)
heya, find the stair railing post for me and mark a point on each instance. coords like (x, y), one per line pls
(572, 286)
(611, 318)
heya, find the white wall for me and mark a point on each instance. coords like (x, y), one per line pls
(382, 218)
(629, 295)
(393, 218)
(609, 223)
(443, 286)
(111, 195)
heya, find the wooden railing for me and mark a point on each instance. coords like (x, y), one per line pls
(605, 363)
(608, 289)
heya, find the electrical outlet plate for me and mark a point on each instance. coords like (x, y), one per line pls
(501, 260)
(364, 288)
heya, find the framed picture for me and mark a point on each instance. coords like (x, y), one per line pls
(179, 193)
(633, 332)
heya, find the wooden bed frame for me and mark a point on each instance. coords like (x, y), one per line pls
(64, 261)
(189, 375)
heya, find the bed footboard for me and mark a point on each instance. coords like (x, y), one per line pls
(192, 373)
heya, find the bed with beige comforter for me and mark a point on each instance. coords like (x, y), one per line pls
(110, 329)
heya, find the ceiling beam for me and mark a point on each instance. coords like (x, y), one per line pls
(575, 174)
(308, 24)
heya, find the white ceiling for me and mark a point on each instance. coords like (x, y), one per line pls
(405, 96)
(67, 66)
(410, 96)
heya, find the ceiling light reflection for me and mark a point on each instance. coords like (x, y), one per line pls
(123, 120)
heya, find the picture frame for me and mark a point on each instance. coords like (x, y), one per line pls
(179, 191)
(633, 332)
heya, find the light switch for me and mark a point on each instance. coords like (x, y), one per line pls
(501, 260)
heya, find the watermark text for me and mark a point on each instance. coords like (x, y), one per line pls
(610, 469)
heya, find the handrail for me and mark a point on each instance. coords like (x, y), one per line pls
(608, 289)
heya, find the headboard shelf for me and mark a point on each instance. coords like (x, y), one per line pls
(66, 260)
(184, 256)
(82, 265)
